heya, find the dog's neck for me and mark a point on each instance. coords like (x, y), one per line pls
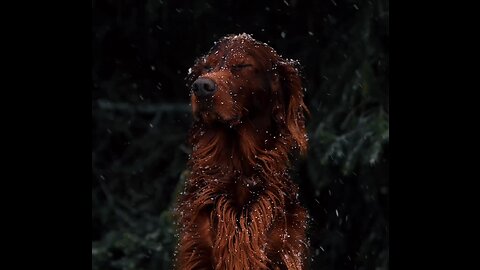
(251, 148)
(239, 159)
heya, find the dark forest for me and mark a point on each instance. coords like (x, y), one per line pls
(142, 51)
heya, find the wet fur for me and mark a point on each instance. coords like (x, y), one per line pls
(240, 209)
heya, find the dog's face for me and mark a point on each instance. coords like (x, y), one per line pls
(233, 80)
(243, 79)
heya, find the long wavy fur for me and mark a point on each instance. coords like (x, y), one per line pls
(240, 209)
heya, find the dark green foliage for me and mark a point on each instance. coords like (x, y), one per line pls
(141, 53)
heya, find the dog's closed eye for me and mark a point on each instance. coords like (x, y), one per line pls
(239, 67)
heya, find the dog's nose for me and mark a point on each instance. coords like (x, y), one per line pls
(204, 87)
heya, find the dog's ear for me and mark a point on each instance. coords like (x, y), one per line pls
(289, 109)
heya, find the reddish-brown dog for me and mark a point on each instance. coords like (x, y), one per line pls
(240, 210)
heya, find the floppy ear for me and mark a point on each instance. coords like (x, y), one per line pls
(289, 108)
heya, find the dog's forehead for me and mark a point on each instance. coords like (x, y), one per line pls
(240, 47)
(237, 47)
(230, 51)
(238, 40)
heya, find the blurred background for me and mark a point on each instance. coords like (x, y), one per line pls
(142, 50)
